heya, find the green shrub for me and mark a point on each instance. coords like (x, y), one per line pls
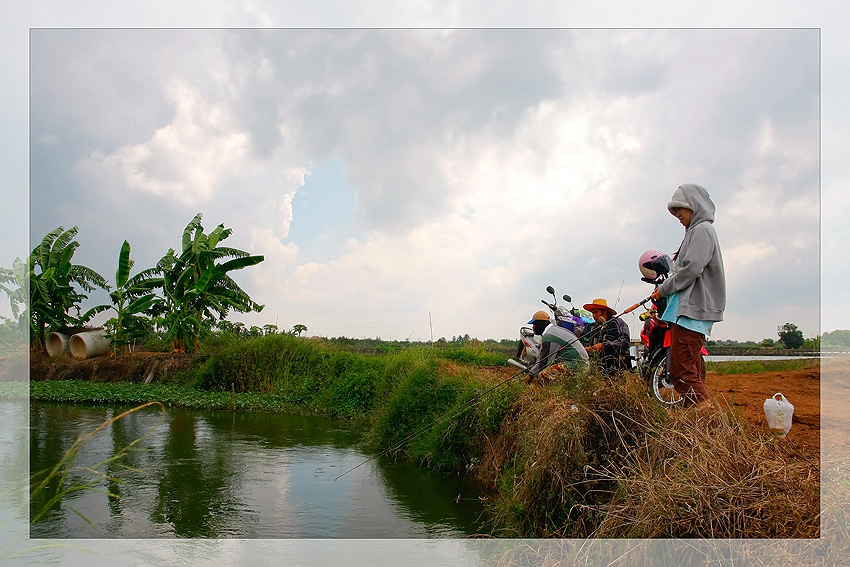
(441, 419)
(474, 354)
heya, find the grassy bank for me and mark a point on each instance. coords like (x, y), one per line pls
(756, 366)
(391, 395)
(585, 456)
(608, 462)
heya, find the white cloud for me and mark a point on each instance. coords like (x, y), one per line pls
(743, 255)
(293, 179)
(563, 174)
(279, 257)
(184, 160)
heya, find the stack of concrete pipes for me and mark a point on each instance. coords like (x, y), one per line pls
(81, 345)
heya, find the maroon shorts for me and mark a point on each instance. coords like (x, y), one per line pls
(686, 369)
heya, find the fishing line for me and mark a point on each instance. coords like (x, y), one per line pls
(457, 411)
(451, 414)
(618, 293)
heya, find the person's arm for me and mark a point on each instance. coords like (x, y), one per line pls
(692, 261)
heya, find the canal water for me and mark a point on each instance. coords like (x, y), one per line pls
(207, 474)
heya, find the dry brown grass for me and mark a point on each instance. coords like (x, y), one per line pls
(705, 474)
(610, 463)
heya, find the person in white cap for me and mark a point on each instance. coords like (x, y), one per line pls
(695, 291)
(560, 350)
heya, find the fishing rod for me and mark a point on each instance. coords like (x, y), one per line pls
(633, 307)
(599, 327)
(457, 411)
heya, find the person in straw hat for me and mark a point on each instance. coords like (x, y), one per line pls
(609, 338)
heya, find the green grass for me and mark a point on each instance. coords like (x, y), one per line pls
(756, 366)
(83, 391)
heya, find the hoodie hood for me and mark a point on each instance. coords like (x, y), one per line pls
(697, 199)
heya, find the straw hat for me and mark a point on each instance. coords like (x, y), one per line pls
(600, 304)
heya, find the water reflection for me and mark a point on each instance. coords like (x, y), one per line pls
(195, 490)
(220, 474)
(429, 498)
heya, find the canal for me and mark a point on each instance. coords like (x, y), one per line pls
(216, 474)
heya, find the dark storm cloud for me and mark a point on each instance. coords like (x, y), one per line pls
(388, 102)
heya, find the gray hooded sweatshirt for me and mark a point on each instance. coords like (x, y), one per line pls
(700, 278)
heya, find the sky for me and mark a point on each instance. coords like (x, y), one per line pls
(419, 183)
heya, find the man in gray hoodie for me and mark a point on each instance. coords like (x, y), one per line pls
(695, 291)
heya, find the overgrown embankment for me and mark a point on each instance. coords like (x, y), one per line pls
(608, 462)
(585, 456)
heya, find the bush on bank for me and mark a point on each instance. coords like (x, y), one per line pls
(319, 378)
(399, 395)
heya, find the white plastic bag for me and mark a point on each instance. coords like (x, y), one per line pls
(778, 412)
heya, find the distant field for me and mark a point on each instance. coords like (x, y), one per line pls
(756, 366)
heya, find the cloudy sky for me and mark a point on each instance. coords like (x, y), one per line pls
(389, 174)
(407, 180)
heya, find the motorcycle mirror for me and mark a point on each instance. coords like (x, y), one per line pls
(567, 298)
(550, 289)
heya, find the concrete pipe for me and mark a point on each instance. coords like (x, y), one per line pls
(89, 343)
(57, 343)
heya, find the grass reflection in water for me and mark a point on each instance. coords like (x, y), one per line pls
(208, 474)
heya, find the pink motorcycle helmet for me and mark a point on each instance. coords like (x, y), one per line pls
(654, 263)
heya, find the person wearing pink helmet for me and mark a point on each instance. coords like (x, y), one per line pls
(695, 291)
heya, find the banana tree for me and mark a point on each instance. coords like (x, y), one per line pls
(132, 298)
(197, 288)
(17, 292)
(54, 282)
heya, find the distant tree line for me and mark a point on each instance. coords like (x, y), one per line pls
(840, 338)
(790, 337)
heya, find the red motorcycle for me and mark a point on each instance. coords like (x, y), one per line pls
(653, 360)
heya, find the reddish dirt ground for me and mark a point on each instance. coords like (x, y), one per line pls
(746, 393)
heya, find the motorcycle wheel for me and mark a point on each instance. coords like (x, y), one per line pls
(660, 386)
